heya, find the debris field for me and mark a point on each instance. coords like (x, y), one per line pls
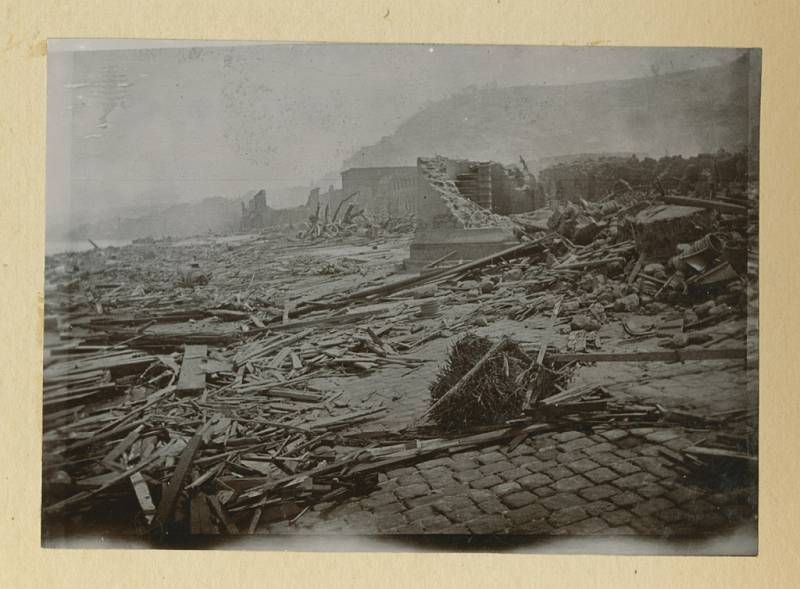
(599, 377)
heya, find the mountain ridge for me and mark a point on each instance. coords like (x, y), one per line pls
(682, 112)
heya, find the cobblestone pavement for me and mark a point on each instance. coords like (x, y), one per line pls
(613, 482)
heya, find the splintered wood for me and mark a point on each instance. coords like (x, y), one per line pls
(189, 389)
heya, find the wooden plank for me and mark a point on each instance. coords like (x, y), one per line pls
(122, 364)
(546, 337)
(577, 391)
(210, 473)
(283, 393)
(590, 263)
(716, 205)
(110, 458)
(271, 346)
(438, 261)
(254, 521)
(297, 363)
(84, 495)
(143, 496)
(530, 398)
(665, 356)
(421, 454)
(96, 438)
(192, 379)
(577, 407)
(704, 452)
(73, 398)
(154, 398)
(227, 525)
(279, 358)
(343, 419)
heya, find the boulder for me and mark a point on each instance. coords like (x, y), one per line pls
(570, 306)
(659, 229)
(628, 303)
(582, 322)
(598, 311)
(585, 230)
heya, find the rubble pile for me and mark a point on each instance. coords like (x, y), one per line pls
(356, 225)
(595, 178)
(187, 386)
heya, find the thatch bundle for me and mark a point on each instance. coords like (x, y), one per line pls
(485, 383)
(491, 395)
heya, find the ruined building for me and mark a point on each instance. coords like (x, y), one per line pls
(321, 200)
(256, 214)
(467, 194)
(254, 210)
(382, 192)
(462, 206)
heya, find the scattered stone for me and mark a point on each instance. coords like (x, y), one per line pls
(582, 322)
(627, 304)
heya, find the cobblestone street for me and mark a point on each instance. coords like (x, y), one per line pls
(615, 482)
(609, 482)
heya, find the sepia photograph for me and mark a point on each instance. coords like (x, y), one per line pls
(401, 297)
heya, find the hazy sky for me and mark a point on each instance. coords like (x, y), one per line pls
(136, 126)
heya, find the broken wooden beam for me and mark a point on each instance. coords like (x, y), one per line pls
(143, 496)
(719, 453)
(722, 207)
(659, 356)
(590, 263)
(174, 487)
(216, 507)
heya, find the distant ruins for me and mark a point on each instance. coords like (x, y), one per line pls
(255, 210)
(594, 178)
(455, 194)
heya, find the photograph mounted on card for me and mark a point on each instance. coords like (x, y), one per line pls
(401, 297)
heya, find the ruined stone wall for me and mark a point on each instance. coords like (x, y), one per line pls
(441, 205)
(256, 214)
(381, 191)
